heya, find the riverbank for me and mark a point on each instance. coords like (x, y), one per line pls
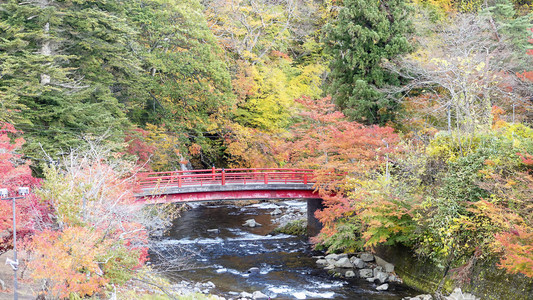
(485, 279)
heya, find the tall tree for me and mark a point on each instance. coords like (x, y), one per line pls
(23, 30)
(340, 151)
(66, 67)
(364, 33)
(251, 29)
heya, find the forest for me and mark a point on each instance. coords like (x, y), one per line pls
(423, 109)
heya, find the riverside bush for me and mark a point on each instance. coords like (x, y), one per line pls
(476, 204)
(480, 201)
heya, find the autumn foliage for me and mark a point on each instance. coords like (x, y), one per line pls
(15, 172)
(339, 150)
(452, 200)
(96, 238)
(512, 217)
(68, 260)
(325, 140)
(528, 75)
(214, 82)
(518, 251)
(138, 146)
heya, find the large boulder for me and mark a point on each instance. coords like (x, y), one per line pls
(332, 256)
(276, 212)
(343, 263)
(357, 262)
(322, 262)
(388, 267)
(381, 276)
(383, 287)
(365, 273)
(379, 261)
(367, 257)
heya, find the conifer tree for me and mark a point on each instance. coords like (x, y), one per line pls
(364, 33)
(63, 65)
(22, 32)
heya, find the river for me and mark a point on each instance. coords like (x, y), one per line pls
(211, 242)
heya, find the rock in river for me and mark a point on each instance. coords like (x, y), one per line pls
(276, 212)
(246, 295)
(332, 256)
(322, 262)
(365, 273)
(349, 274)
(251, 223)
(389, 268)
(381, 276)
(259, 295)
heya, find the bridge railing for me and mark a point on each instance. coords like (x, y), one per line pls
(224, 177)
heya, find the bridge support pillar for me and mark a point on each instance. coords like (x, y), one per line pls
(313, 224)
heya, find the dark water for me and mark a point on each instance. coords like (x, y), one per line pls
(287, 269)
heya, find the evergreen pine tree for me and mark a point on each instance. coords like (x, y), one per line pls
(364, 33)
(22, 32)
(511, 30)
(72, 69)
(68, 64)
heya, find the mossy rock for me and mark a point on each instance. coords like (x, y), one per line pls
(297, 227)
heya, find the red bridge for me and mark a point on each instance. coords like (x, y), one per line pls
(231, 184)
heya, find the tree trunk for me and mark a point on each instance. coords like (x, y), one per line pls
(46, 48)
